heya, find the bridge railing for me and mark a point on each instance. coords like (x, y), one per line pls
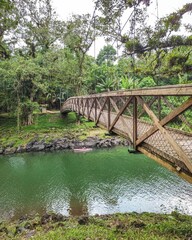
(157, 121)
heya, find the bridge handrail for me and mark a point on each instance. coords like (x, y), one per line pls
(169, 90)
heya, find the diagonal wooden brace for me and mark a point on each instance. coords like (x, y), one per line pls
(183, 119)
(99, 105)
(123, 101)
(91, 107)
(165, 120)
(120, 113)
(122, 119)
(100, 111)
(164, 132)
(84, 103)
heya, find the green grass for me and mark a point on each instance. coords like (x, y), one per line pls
(146, 226)
(46, 127)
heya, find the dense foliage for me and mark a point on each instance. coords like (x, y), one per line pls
(43, 60)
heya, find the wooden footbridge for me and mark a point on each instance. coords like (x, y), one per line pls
(157, 121)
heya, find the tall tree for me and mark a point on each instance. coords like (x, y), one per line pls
(8, 21)
(38, 27)
(78, 37)
(106, 54)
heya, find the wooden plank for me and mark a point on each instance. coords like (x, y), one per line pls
(120, 113)
(166, 135)
(166, 120)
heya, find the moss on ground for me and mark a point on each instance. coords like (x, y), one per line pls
(46, 127)
(143, 226)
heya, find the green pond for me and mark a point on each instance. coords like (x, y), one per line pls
(97, 182)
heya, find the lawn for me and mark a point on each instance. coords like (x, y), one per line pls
(46, 127)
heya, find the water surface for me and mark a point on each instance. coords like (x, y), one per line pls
(101, 181)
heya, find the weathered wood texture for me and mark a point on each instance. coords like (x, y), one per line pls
(147, 118)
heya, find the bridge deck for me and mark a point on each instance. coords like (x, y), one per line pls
(124, 115)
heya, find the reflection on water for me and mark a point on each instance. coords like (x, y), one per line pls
(77, 208)
(102, 181)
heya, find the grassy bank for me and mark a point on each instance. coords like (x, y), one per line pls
(46, 127)
(144, 226)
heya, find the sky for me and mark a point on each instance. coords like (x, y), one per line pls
(65, 8)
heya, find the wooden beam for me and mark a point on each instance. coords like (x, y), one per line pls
(100, 111)
(149, 104)
(169, 90)
(168, 165)
(95, 109)
(165, 120)
(84, 101)
(166, 135)
(105, 119)
(91, 107)
(88, 108)
(159, 107)
(120, 113)
(78, 103)
(122, 119)
(108, 113)
(183, 119)
(134, 123)
(123, 101)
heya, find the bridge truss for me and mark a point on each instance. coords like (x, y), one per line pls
(157, 121)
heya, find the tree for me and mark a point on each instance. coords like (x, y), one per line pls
(38, 26)
(111, 13)
(8, 21)
(107, 54)
(160, 37)
(102, 77)
(78, 37)
(148, 45)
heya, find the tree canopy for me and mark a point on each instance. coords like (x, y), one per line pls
(44, 59)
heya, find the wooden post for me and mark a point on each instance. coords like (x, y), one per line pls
(72, 107)
(159, 107)
(88, 99)
(76, 105)
(109, 113)
(82, 106)
(134, 123)
(95, 109)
